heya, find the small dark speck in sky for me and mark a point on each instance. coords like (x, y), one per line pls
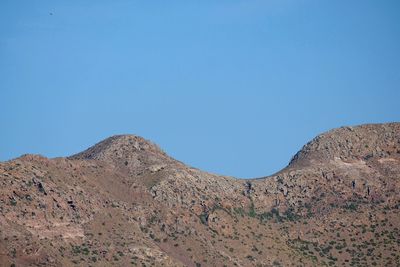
(51, 14)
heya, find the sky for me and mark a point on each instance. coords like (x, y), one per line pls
(230, 87)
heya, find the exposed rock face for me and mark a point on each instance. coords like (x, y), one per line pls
(125, 202)
(132, 152)
(351, 143)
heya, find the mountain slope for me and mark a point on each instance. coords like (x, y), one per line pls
(124, 202)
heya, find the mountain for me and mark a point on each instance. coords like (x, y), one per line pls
(125, 202)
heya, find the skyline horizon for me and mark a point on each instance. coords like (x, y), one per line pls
(183, 161)
(229, 87)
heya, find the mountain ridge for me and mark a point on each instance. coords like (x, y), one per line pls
(125, 202)
(345, 137)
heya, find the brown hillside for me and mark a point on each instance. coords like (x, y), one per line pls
(124, 202)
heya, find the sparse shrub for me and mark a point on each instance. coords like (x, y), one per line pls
(351, 206)
(290, 215)
(85, 251)
(266, 216)
(250, 257)
(204, 218)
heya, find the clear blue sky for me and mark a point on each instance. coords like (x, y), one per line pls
(232, 87)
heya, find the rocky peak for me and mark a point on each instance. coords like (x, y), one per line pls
(130, 151)
(351, 143)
